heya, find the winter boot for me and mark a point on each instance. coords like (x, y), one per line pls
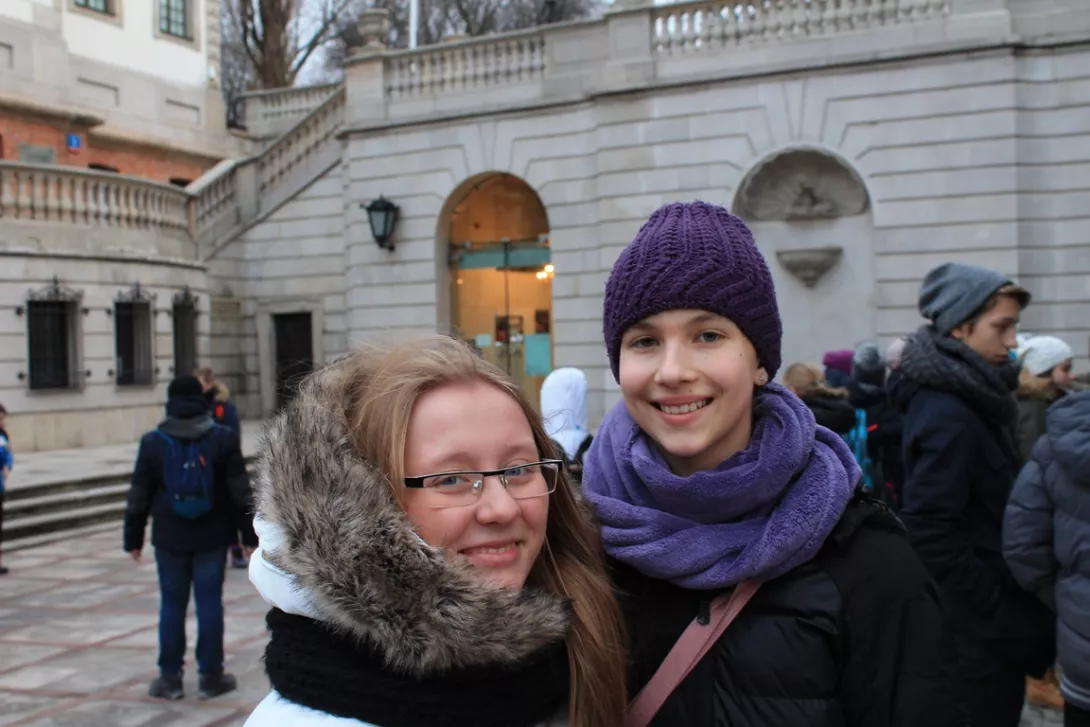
(167, 687)
(213, 685)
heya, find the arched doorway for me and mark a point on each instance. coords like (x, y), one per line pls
(810, 215)
(501, 273)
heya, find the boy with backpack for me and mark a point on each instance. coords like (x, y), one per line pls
(191, 478)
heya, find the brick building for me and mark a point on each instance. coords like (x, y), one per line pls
(107, 109)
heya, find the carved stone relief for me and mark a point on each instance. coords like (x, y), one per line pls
(800, 185)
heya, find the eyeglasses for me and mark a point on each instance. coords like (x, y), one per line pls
(462, 489)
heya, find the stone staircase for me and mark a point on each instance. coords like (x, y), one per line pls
(234, 195)
(55, 496)
(52, 511)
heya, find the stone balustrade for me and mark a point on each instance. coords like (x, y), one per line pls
(216, 200)
(466, 65)
(71, 196)
(272, 112)
(303, 140)
(704, 27)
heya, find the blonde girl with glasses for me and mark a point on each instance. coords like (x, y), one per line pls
(427, 561)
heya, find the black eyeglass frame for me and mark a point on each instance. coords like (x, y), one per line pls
(417, 483)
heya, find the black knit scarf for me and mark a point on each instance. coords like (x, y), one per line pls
(946, 364)
(310, 664)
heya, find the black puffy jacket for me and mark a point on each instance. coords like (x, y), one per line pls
(856, 637)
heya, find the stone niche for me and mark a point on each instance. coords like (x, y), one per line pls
(808, 212)
(800, 185)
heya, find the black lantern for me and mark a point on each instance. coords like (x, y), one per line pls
(382, 214)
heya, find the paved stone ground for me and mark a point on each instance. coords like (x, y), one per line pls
(78, 642)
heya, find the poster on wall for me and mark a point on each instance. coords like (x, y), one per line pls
(508, 327)
(541, 321)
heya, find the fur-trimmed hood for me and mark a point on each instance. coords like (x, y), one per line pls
(338, 548)
(1037, 387)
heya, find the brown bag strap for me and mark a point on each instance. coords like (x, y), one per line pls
(690, 648)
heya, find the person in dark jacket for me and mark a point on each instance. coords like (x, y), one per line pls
(957, 396)
(831, 407)
(7, 461)
(708, 474)
(218, 395)
(190, 553)
(224, 412)
(838, 368)
(1044, 377)
(1046, 540)
(884, 424)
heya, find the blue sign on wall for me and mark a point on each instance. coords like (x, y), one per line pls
(75, 142)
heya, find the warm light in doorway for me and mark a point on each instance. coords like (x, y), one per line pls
(547, 273)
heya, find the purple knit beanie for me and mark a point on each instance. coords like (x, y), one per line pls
(697, 256)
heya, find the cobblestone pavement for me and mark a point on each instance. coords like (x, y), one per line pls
(78, 643)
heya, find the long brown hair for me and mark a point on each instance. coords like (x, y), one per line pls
(381, 386)
(806, 379)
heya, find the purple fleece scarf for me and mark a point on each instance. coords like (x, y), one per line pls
(762, 512)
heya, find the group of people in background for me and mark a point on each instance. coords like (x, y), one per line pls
(984, 449)
(829, 551)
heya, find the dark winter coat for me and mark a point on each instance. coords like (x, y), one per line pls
(223, 409)
(1046, 536)
(832, 412)
(231, 514)
(959, 470)
(854, 638)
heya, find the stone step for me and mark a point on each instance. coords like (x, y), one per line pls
(56, 536)
(62, 521)
(67, 484)
(64, 500)
(53, 510)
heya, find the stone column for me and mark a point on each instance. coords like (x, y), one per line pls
(630, 53)
(365, 70)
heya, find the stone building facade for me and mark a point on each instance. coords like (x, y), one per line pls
(864, 150)
(864, 141)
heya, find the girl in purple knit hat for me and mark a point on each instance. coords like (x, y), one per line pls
(708, 475)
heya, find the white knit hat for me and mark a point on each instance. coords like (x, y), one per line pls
(1041, 354)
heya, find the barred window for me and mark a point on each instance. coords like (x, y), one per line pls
(99, 6)
(174, 18)
(51, 339)
(132, 337)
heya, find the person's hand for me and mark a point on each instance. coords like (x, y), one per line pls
(136, 554)
(247, 551)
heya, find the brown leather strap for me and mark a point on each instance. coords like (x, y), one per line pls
(691, 647)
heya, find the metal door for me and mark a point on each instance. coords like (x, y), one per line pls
(294, 353)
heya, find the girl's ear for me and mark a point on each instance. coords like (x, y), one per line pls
(762, 377)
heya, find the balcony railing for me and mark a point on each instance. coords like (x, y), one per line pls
(467, 65)
(65, 195)
(704, 26)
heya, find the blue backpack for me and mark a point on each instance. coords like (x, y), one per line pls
(857, 440)
(187, 478)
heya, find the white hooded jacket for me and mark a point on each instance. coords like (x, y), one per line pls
(564, 409)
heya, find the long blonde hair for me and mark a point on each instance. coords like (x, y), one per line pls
(806, 379)
(382, 385)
